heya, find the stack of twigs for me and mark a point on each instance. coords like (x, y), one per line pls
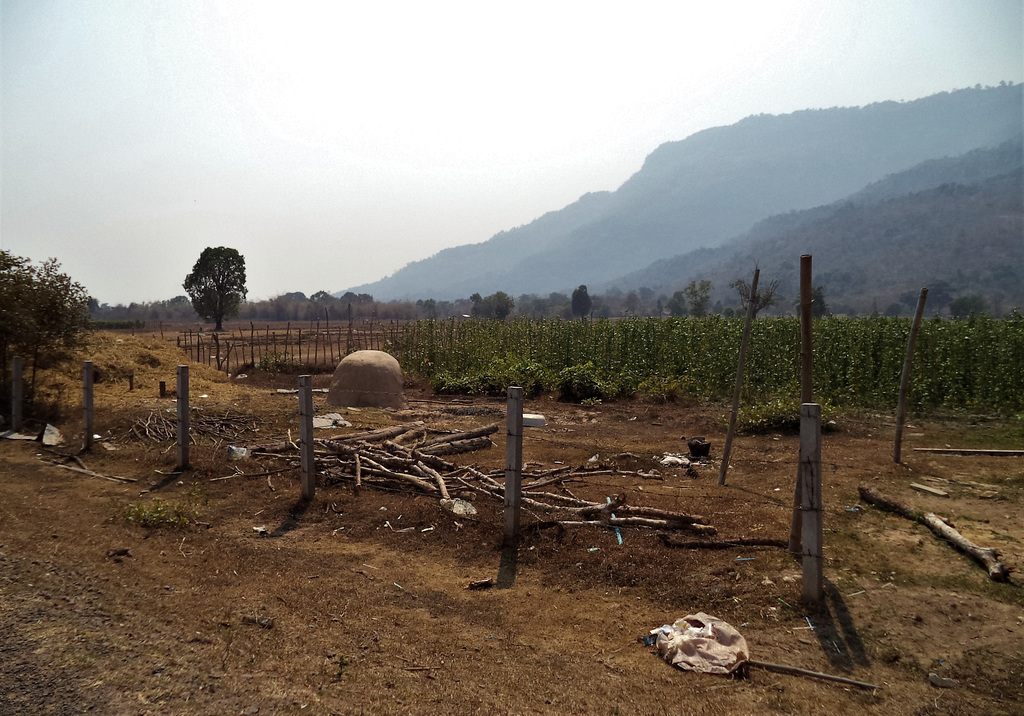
(159, 426)
(404, 457)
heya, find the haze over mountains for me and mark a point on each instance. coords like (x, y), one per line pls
(888, 197)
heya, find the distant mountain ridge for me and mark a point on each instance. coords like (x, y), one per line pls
(716, 185)
(956, 225)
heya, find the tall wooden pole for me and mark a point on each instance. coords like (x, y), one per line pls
(513, 464)
(17, 388)
(901, 405)
(90, 415)
(811, 502)
(306, 437)
(183, 418)
(751, 308)
(806, 386)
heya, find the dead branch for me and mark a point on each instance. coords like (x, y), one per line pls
(794, 671)
(723, 544)
(91, 473)
(458, 446)
(468, 435)
(987, 557)
(380, 434)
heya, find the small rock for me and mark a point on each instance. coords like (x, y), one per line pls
(262, 622)
(459, 507)
(941, 682)
(261, 530)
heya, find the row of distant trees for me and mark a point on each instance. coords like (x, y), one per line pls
(216, 290)
(693, 300)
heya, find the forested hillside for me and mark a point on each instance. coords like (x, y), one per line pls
(706, 189)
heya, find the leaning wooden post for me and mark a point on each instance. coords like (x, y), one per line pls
(90, 415)
(306, 436)
(806, 387)
(751, 308)
(183, 427)
(17, 388)
(811, 502)
(513, 464)
(901, 405)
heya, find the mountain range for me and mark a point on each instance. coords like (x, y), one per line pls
(888, 197)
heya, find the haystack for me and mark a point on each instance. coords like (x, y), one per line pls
(367, 378)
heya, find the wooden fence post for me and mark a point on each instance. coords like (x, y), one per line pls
(163, 389)
(811, 501)
(901, 405)
(806, 386)
(17, 392)
(183, 418)
(306, 436)
(751, 307)
(90, 415)
(513, 464)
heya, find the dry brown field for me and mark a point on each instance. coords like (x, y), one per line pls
(101, 615)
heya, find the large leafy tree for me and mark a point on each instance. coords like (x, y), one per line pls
(698, 295)
(216, 285)
(581, 303)
(42, 311)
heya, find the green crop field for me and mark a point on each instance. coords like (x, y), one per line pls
(972, 365)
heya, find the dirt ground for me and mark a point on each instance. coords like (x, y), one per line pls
(341, 609)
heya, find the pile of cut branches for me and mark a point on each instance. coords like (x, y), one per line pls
(161, 426)
(404, 457)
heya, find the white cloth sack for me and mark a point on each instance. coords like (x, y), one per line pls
(699, 642)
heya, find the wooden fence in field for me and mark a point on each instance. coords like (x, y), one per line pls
(290, 348)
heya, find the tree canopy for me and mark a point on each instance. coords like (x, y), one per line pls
(42, 311)
(216, 285)
(581, 302)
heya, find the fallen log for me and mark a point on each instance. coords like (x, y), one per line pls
(467, 435)
(723, 544)
(641, 522)
(373, 467)
(92, 473)
(794, 671)
(987, 557)
(973, 451)
(380, 434)
(458, 446)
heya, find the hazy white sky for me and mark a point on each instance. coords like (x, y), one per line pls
(333, 142)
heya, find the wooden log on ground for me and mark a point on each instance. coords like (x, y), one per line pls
(459, 446)
(794, 671)
(973, 451)
(374, 467)
(987, 557)
(468, 435)
(723, 544)
(381, 433)
(92, 473)
(641, 522)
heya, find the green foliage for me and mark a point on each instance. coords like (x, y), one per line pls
(43, 313)
(159, 514)
(495, 378)
(274, 362)
(677, 304)
(698, 295)
(104, 325)
(973, 365)
(972, 304)
(778, 414)
(581, 303)
(216, 285)
(580, 382)
(667, 390)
